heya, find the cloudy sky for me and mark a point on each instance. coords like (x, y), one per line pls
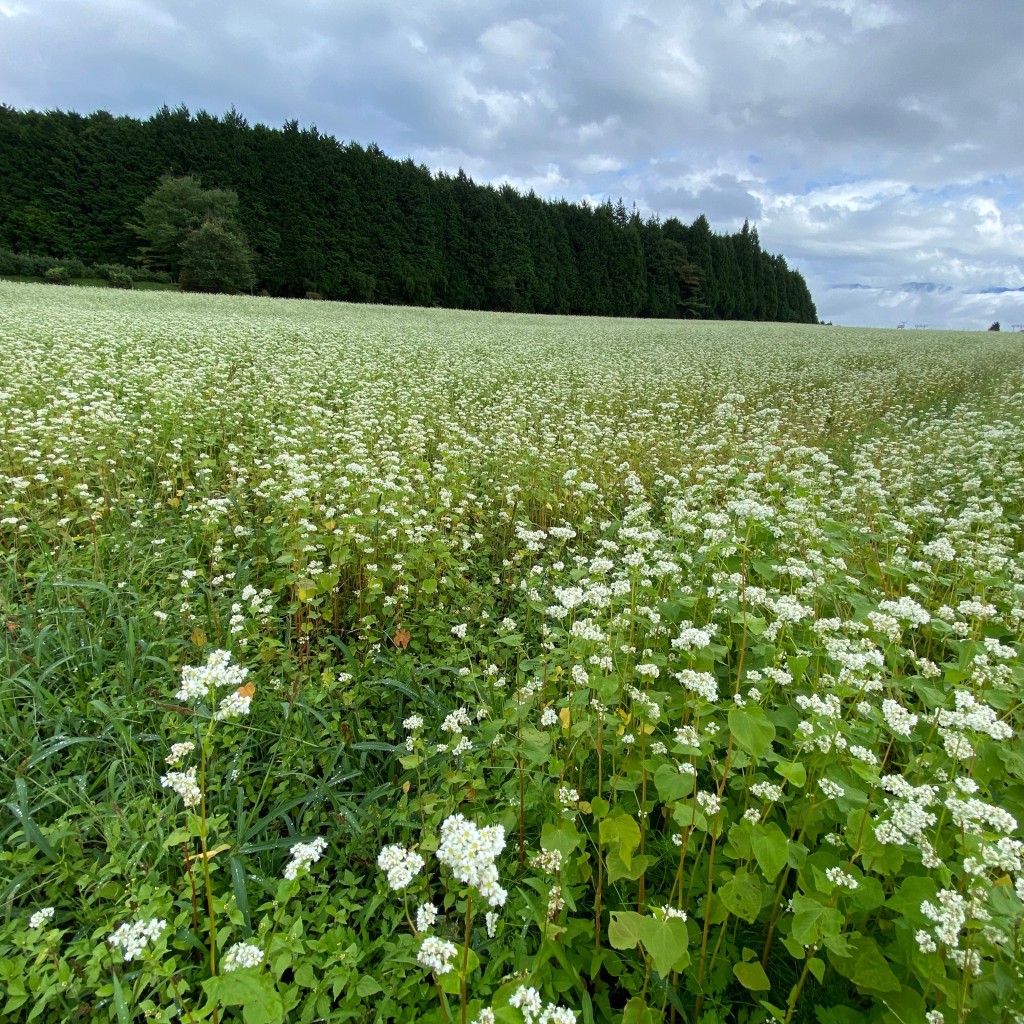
(877, 144)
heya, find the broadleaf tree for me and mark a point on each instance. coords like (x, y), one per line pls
(193, 232)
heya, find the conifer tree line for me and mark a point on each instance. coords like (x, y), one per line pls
(347, 221)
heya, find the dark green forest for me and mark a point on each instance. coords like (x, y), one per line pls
(347, 221)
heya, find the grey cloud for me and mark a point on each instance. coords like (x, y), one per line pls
(887, 135)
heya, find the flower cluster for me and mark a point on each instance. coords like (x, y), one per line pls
(548, 861)
(200, 681)
(400, 864)
(185, 785)
(179, 751)
(204, 682)
(240, 956)
(40, 917)
(470, 852)
(133, 938)
(426, 915)
(304, 854)
(436, 954)
(527, 1000)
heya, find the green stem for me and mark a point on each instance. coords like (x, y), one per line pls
(465, 960)
(794, 996)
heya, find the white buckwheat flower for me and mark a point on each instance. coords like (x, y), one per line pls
(184, 784)
(199, 681)
(40, 917)
(470, 852)
(669, 913)
(898, 718)
(426, 915)
(401, 866)
(304, 854)
(549, 861)
(839, 877)
(179, 751)
(527, 1000)
(241, 955)
(831, 789)
(567, 796)
(133, 938)
(435, 954)
(553, 1014)
(234, 705)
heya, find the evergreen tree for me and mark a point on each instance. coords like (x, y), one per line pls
(348, 221)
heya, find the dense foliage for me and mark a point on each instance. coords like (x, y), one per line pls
(193, 233)
(348, 222)
(414, 665)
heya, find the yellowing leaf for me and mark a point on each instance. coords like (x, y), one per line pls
(565, 715)
(210, 854)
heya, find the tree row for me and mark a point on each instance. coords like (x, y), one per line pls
(347, 221)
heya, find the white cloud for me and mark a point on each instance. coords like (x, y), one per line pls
(873, 142)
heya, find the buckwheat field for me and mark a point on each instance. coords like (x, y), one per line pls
(382, 664)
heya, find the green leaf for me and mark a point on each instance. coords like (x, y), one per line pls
(617, 868)
(742, 895)
(812, 920)
(751, 730)
(869, 894)
(240, 891)
(752, 976)
(771, 849)
(624, 831)
(866, 966)
(254, 992)
(685, 816)
(565, 837)
(367, 986)
(792, 771)
(120, 1006)
(29, 828)
(672, 784)
(636, 1011)
(450, 983)
(665, 942)
(624, 929)
(797, 665)
(306, 977)
(913, 891)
